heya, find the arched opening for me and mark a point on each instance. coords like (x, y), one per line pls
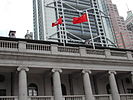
(32, 89)
(108, 89)
(63, 87)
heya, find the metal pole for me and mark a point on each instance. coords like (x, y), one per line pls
(93, 44)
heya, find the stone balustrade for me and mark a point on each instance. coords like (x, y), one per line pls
(40, 98)
(8, 44)
(68, 49)
(126, 96)
(71, 97)
(40, 47)
(74, 97)
(8, 98)
(23, 46)
(103, 97)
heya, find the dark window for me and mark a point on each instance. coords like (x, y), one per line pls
(32, 90)
(108, 89)
(130, 90)
(2, 92)
(2, 78)
(63, 89)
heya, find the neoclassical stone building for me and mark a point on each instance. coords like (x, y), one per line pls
(41, 70)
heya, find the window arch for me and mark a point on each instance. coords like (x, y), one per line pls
(32, 89)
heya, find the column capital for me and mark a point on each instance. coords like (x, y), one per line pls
(112, 72)
(86, 71)
(56, 70)
(23, 68)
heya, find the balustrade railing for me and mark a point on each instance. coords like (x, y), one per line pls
(64, 50)
(8, 44)
(74, 97)
(68, 49)
(126, 96)
(40, 98)
(40, 47)
(103, 97)
(118, 53)
(95, 52)
(8, 98)
(71, 97)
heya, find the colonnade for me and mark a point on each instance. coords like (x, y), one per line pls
(57, 84)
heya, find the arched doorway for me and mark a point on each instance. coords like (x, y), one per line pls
(63, 87)
(32, 89)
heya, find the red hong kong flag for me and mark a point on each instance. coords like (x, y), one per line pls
(59, 21)
(81, 19)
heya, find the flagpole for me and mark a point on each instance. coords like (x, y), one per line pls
(93, 44)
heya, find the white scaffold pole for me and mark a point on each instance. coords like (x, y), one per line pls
(92, 39)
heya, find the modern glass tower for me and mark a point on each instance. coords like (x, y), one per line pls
(107, 21)
(38, 19)
(48, 11)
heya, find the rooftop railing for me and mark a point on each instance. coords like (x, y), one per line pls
(23, 46)
(118, 53)
(40, 47)
(8, 44)
(95, 52)
(68, 49)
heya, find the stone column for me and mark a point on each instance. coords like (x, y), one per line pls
(87, 85)
(132, 77)
(113, 85)
(22, 83)
(57, 84)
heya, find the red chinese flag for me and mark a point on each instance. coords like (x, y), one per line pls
(81, 19)
(59, 21)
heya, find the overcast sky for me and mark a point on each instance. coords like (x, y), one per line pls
(17, 15)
